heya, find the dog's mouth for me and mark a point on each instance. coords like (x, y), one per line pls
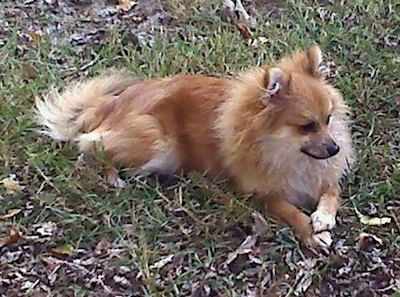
(321, 151)
(317, 156)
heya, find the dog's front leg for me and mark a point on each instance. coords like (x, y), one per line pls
(277, 206)
(324, 217)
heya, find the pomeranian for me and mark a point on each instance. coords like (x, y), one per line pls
(279, 132)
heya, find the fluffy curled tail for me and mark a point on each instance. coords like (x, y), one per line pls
(64, 115)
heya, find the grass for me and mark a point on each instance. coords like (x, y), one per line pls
(123, 234)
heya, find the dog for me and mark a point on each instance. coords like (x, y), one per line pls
(279, 132)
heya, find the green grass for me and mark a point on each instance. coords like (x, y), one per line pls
(191, 218)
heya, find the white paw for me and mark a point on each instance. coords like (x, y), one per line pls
(321, 220)
(119, 183)
(322, 239)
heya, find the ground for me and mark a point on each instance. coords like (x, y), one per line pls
(64, 232)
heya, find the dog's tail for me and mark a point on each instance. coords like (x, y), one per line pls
(67, 116)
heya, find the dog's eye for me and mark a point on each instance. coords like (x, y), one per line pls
(328, 119)
(308, 127)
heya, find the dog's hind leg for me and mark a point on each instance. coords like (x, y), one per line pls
(140, 145)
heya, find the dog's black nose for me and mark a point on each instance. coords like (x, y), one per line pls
(333, 149)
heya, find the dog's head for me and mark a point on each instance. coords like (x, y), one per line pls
(295, 106)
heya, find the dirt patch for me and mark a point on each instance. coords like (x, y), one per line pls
(79, 23)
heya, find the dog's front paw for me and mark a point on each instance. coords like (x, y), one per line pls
(322, 241)
(119, 183)
(322, 220)
(113, 179)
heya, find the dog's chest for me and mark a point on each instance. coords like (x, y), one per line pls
(301, 179)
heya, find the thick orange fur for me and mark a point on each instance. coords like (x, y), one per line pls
(272, 131)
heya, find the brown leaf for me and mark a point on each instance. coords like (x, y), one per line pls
(13, 237)
(260, 224)
(102, 247)
(49, 263)
(244, 30)
(125, 5)
(36, 36)
(366, 239)
(12, 186)
(10, 213)
(28, 71)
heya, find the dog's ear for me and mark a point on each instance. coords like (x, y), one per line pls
(273, 82)
(315, 61)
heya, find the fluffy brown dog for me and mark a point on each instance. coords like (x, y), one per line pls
(279, 132)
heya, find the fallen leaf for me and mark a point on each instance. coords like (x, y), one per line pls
(12, 186)
(255, 260)
(374, 221)
(244, 15)
(164, 261)
(263, 39)
(125, 5)
(29, 285)
(10, 257)
(244, 30)
(64, 250)
(10, 213)
(49, 263)
(238, 13)
(36, 36)
(245, 248)
(123, 281)
(52, 267)
(47, 229)
(28, 71)
(260, 224)
(102, 247)
(86, 262)
(13, 237)
(366, 239)
(257, 42)
(52, 276)
(304, 276)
